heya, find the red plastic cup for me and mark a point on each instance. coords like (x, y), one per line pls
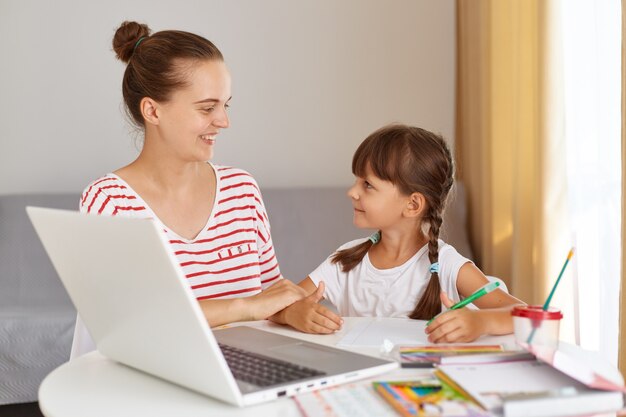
(537, 327)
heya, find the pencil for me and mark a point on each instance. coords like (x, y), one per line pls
(569, 256)
(485, 289)
(546, 305)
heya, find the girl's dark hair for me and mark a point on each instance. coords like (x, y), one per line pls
(157, 64)
(416, 161)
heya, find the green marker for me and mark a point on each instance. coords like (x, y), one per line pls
(485, 289)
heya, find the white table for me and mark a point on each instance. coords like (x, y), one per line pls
(96, 386)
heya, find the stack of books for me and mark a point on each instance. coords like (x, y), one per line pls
(429, 356)
(492, 382)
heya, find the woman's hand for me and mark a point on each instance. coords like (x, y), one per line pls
(453, 326)
(308, 316)
(274, 299)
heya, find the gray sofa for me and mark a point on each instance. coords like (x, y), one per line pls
(309, 223)
(37, 317)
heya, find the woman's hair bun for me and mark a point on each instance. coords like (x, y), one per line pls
(126, 38)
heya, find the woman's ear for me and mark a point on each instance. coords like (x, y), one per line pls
(149, 109)
(416, 205)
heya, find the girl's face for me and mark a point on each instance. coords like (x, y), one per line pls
(193, 117)
(377, 204)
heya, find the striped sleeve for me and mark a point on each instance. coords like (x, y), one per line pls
(270, 270)
(108, 196)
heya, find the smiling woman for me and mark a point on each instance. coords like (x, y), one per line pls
(176, 88)
(190, 120)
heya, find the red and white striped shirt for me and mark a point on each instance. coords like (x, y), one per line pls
(232, 256)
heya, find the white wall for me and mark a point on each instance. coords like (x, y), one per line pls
(311, 78)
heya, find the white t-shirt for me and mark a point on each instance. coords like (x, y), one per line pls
(371, 292)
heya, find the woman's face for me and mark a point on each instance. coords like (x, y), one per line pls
(191, 120)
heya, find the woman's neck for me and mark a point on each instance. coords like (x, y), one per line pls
(170, 173)
(165, 173)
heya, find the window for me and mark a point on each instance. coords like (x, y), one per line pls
(591, 40)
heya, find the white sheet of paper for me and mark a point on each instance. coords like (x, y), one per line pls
(372, 333)
(402, 331)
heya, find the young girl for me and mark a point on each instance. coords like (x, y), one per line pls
(403, 177)
(176, 89)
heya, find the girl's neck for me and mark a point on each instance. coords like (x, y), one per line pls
(395, 248)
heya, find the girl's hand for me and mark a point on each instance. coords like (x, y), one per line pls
(273, 299)
(454, 326)
(308, 316)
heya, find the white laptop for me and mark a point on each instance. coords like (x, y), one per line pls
(131, 293)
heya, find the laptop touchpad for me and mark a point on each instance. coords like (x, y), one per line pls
(302, 352)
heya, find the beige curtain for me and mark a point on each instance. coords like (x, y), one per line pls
(507, 141)
(622, 319)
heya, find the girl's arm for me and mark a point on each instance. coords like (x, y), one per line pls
(466, 325)
(470, 279)
(307, 315)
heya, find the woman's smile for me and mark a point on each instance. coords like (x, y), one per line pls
(209, 138)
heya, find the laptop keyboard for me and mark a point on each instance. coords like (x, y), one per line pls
(263, 371)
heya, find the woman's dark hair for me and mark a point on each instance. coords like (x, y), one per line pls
(158, 64)
(416, 161)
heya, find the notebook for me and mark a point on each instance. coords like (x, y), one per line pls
(131, 294)
(529, 388)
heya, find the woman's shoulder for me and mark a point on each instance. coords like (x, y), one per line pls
(105, 182)
(235, 179)
(103, 190)
(225, 172)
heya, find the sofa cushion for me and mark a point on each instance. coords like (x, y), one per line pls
(27, 278)
(36, 315)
